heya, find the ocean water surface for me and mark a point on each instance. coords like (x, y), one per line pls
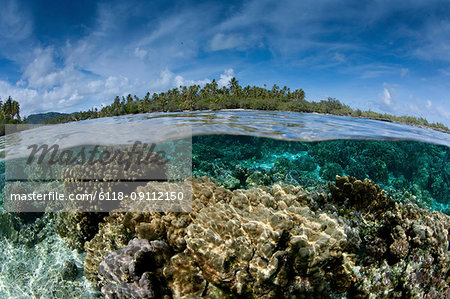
(238, 150)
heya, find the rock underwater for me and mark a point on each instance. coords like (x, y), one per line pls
(135, 271)
(275, 242)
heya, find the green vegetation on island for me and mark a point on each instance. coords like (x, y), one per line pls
(233, 96)
(39, 118)
(9, 114)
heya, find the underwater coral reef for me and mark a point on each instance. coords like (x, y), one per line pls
(275, 242)
(405, 169)
(269, 219)
(36, 262)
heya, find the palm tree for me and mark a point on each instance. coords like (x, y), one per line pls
(7, 107)
(235, 88)
(15, 109)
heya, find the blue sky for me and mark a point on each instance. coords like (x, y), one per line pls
(387, 56)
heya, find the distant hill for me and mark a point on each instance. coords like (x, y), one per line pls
(41, 117)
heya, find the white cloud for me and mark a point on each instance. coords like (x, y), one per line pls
(444, 113)
(180, 81)
(87, 71)
(47, 86)
(70, 94)
(226, 77)
(15, 25)
(16, 32)
(404, 72)
(73, 98)
(386, 97)
(435, 41)
(165, 80)
(41, 72)
(434, 110)
(445, 72)
(170, 48)
(339, 58)
(27, 98)
(140, 53)
(221, 41)
(168, 79)
(396, 100)
(106, 89)
(376, 70)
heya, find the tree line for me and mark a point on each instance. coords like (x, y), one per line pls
(9, 113)
(233, 96)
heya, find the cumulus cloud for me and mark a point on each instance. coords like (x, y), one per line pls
(28, 98)
(436, 110)
(226, 77)
(109, 59)
(180, 81)
(395, 100)
(41, 72)
(164, 81)
(109, 87)
(386, 98)
(168, 79)
(46, 85)
(389, 99)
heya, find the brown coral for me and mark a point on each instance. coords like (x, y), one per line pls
(76, 228)
(363, 196)
(135, 271)
(282, 241)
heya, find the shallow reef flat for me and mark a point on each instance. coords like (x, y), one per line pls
(404, 169)
(36, 262)
(347, 239)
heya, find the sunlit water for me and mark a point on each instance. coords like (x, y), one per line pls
(273, 124)
(283, 125)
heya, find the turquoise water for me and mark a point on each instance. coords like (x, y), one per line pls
(270, 124)
(404, 169)
(242, 149)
